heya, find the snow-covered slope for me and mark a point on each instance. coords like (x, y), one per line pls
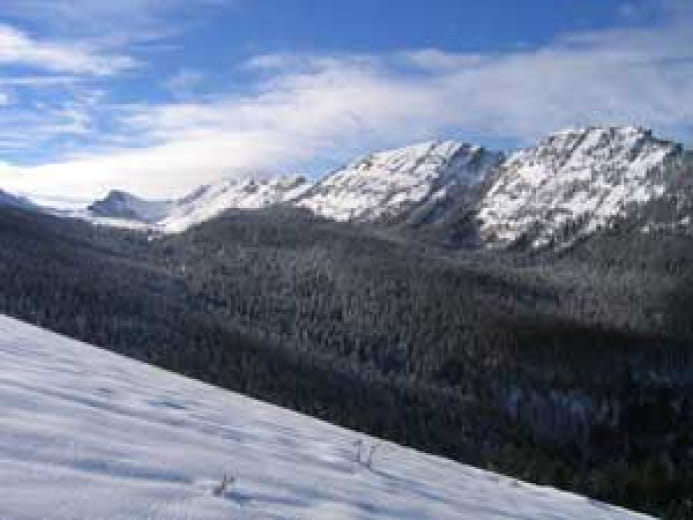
(86, 435)
(126, 210)
(209, 201)
(393, 184)
(572, 183)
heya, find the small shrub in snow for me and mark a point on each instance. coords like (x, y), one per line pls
(225, 483)
(365, 453)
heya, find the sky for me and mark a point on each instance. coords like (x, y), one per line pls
(159, 96)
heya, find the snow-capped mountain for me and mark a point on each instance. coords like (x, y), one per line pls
(122, 205)
(174, 216)
(209, 201)
(86, 434)
(574, 182)
(569, 185)
(412, 183)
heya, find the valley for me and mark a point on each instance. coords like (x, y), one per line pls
(561, 357)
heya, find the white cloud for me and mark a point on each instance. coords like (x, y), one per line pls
(114, 23)
(80, 10)
(17, 48)
(44, 117)
(184, 83)
(37, 81)
(307, 108)
(437, 60)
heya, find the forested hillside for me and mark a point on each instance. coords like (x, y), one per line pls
(572, 368)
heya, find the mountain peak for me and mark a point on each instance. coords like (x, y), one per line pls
(15, 201)
(245, 193)
(625, 130)
(392, 183)
(577, 179)
(119, 204)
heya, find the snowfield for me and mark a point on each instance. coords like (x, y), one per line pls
(86, 434)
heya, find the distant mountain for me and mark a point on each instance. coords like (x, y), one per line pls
(210, 201)
(573, 183)
(416, 183)
(7, 199)
(174, 216)
(570, 185)
(122, 205)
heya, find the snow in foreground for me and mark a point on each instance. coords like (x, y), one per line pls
(85, 434)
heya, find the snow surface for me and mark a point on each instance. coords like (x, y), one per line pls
(88, 435)
(389, 184)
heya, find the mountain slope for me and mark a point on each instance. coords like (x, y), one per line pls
(87, 434)
(14, 201)
(573, 183)
(415, 182)
(212, 200)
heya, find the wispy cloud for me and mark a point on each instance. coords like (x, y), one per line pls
(57, 56)
(37, 81)
(113, 23)
(184, 83)
(302, 109)
(18, 48)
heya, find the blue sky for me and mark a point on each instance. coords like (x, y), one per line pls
(158, 96)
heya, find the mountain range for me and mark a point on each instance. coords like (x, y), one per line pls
(123, 209)
(567, 186)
